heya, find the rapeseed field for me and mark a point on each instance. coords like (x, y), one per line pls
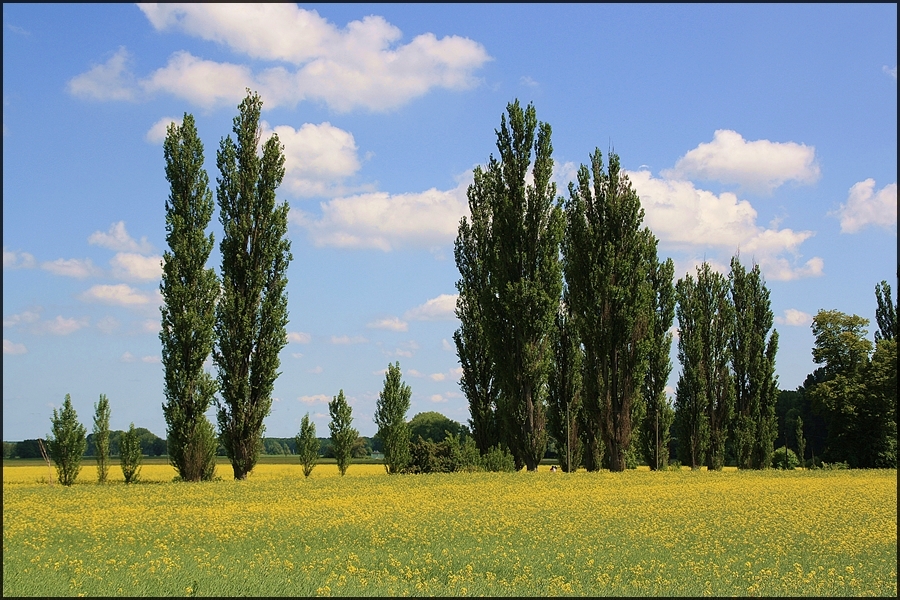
(801, 533)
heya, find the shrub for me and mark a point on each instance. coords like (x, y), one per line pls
(68, 443)
(778, 459)
(499, 460)
(130, 455)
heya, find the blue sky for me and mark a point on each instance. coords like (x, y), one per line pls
(769, 129)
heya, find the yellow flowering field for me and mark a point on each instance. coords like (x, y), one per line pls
(676, 533)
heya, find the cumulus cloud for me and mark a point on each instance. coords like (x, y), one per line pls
(346, 340)
(63, 326)
(687, 217)
(112, 80)
(28, 316)
(117, 239)
(390, 323)
(316, 399)
(17, 260)
(317, 158)
(388, 221)
(157, 132)
(299, 337)
(758, 165)
(438, 376)
(866, 207)
(128, 265)
(437, 398)
(794, 318)
(71, 267)
(119, 294)
(10, 347)
(363, 65)
(442, 308)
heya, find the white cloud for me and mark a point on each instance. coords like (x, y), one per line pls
(759, 165)
(687, 217)
(456, 372)
(297, 354)
(346, 339)
(414, 373)
(359, 66)
(315, 370)
(63, 326)
(117, 239)
(438, 376)
(112, 80)
(447, 346)
(150, 359)
(390, 323)
(127, 265)
(17, 260)
(151, 326)
(437, 398)
(384, 221)
(107, 324)
(157, 132)
(889, 71)
(442, 308)
(127, 357)
(72, 267)
(794, 318)
(527, 81)
(299, 337)
(317, 158)
(10, 347)
(120, 294)
(28, 316)
(866, 207)
(317, 399)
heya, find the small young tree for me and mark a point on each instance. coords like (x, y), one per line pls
(343, 436)
(801, 441)
(68, 443)
(390, 416)
(307, 445)
(101, 437)
(130, 454)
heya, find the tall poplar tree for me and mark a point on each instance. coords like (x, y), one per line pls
(189, 291)
(654, 431)
(524, 280)
(101, 437)
(752, 359)
(886, 312)
(565, 407)
(478, 381)
(390, 417)
(251, 316)
(343, 435)
(607, 258)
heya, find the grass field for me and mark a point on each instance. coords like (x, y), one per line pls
(499, 534)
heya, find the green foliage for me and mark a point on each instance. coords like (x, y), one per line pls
(67, 444)
(101, 437)
(653, 435)
(189, 291)
(704, 396)
(434, 426)
(390, 417)
(886, 312)
(801, 441)
(130, 457)
(447, 456)
(498, 459)
(307, 445)
(251, 316)
(607, 259)
(564, 405)
(343, 436)
(780, 460)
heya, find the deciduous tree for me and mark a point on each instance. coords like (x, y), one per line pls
(307, 445)
(189, 291)
(101, 437)
(67, 443)
(130, 455)
(251, 316)
(390, 417)
(343, 436)
(564, 405)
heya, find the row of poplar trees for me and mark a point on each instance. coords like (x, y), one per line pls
(565, 314)
(241, 318)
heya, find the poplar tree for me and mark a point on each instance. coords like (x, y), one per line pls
(68, 442)
(130, 454)
(752, 359)
(307, 445)
(564, 410)
(524, 279)
(390, 417)
(189, 291)
(343, 436)
(885, 313)
(654, 431)
(607, 257)
(472, 251)
(101, 437)
(251, 316)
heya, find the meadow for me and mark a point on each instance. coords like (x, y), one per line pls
(674, 533)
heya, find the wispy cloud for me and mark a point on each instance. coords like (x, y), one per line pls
(389, 323)
(346, 339)
(890, 72)
(72, 267)
(119, 294)
(299, 337)
(28, 316)
(111, 80)
(316, 399)
(63, 326)
(17, 260)
(10, 347)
